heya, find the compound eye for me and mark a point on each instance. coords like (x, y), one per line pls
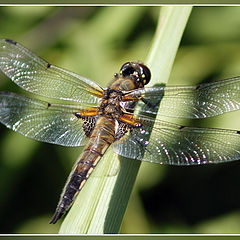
(146, 74)
(127, 69)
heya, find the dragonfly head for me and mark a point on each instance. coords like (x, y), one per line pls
(136, 71)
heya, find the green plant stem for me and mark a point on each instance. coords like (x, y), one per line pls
(101, 205)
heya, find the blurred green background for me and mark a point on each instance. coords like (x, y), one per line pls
(94, 42)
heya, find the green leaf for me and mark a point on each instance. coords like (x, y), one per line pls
(100, 206)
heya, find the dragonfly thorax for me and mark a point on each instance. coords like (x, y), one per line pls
(110, 104)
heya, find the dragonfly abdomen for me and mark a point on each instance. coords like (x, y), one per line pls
(101, 138)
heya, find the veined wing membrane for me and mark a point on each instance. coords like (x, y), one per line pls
(201, 101)
(37, 76)
(177, 145)
(41, 120)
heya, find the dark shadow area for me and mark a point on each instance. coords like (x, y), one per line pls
(37, 191)
(191, 195)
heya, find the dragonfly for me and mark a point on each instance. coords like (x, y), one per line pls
(64, 108)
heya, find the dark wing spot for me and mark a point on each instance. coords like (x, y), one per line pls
(181, 127)
(197, 87)
(10, 41)
(148, 103)
(78, 115)
(49, 65)
(238, 132)
(49, 105)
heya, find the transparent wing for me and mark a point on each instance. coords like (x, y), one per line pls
(41, 120)
(178, 145)
(37, 76)
(204, 100)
